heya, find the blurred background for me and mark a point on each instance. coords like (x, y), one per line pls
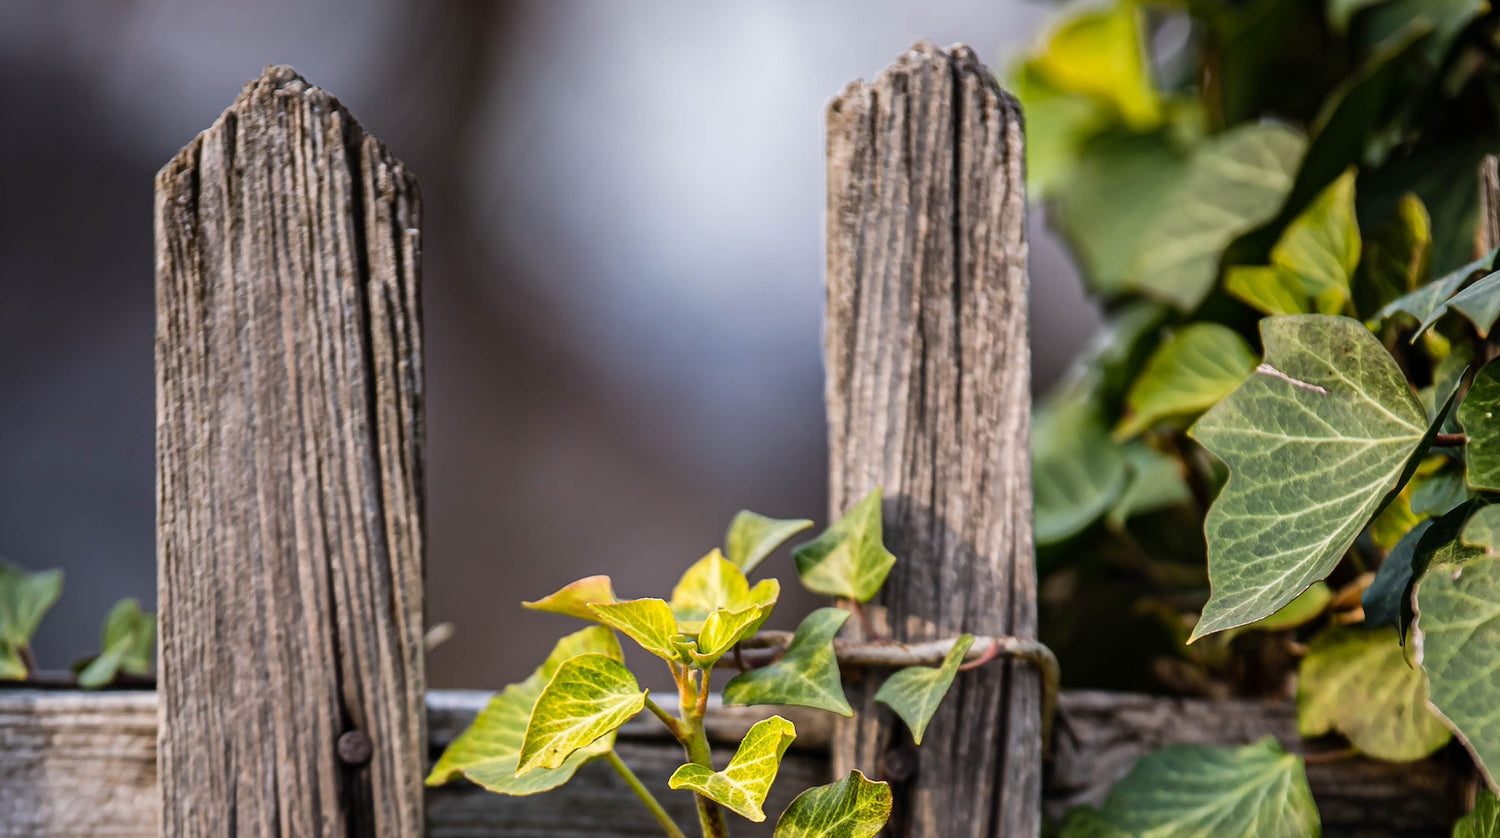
(623, 272)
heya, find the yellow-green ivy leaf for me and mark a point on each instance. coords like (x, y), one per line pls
(574, 599)
(753, 536)
(724, 628)
(649, 622)
(588, 698)
(1321, 246)
(1483, 821)
(916, 691)
(1267, 289)
(1316, 441)
(712, 583)
(1457, 626)
(1235, 182)
(489, 750)
(1100, 53)
(1357, 682)
(25, 598)
(1397, 257)
(1189, 373)
(1477, 416)
(1253, 791)
(853, 807)
(744, 783)
(128, 646)
(1304, 609)
(806, 676)
(849, 559)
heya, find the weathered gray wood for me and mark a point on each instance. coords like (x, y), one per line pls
(289, 451)
(1488, 234)
(74, 764)
(928, 396)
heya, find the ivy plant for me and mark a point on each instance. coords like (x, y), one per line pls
(1275, 472)
(127, 649)
(534, 735)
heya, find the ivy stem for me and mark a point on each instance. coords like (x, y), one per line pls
(644, 794)
(673, 725)
(1449, 440)
(694, 706)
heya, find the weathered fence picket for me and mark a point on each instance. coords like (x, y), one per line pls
(929, 396)
(290, 696)
(289, 475)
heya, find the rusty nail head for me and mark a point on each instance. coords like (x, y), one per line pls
(355, 747)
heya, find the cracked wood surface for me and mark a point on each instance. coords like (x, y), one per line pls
(289, 474)
(928, 387)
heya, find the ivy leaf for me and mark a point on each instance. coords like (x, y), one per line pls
(1257, 790)
(1087, 822)
(806, 676)
(1321, 246)
(574, 599)
(1387, 601)
(1483, 821)
(1077, 472)
(1397, 257)
(1235, 182)
(129, 644)
(1100, 54)
(588, 698)
(1480, 303)
(744, 783)
(1316, 441)
(853, 807)
(724, 628)
(25, 598)
(1267, 289)
(1155, 483)
(1430, 302)
(489, 750)
(712, 583)
(1439, 493)
(1189, 373)
(753, 536)
(915, 692)
(1304, 609)
(649, 622)
(1457, 626)
(849, 559)
(1477, 415)
(1357, 682)
(1482, 530)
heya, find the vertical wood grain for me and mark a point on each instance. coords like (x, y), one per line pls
(289, 474)
(928, 395)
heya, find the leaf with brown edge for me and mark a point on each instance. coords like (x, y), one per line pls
(574, 599)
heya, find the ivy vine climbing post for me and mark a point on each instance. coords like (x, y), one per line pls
(928, 396)
(289, 475)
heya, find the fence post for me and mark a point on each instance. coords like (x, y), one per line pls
(928, 396)
(289, 475)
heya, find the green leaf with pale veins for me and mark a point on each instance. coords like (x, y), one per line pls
(1316, 441)
(723, 629)
(25, 598)
(1304, 609)
(1267, 289)
(849, 559)
(128, 646)
(574, 599)
(1252, 791)
(1078, 473)
(1430, 302)
(1482, 530)
(1155, 483)
(712, 583)
(1357, 682)
(1387, 601)
(1457, 630)
(1189, 373)
(916, 691)
(588, 698)
(1321, 246)
(806, 676)
(649, 622)
(1483, 821)
(1235, 182)
(746, 780)
(488, 751)
(853, 807)
(1477, 415)
(1480, 303)
(753, 536)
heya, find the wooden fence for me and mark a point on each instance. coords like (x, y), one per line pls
(291, 691)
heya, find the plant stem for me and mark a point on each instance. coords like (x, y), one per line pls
(673, 725)
(694, 704)
(644, 794)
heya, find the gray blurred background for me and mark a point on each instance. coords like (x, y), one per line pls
(623, 272)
